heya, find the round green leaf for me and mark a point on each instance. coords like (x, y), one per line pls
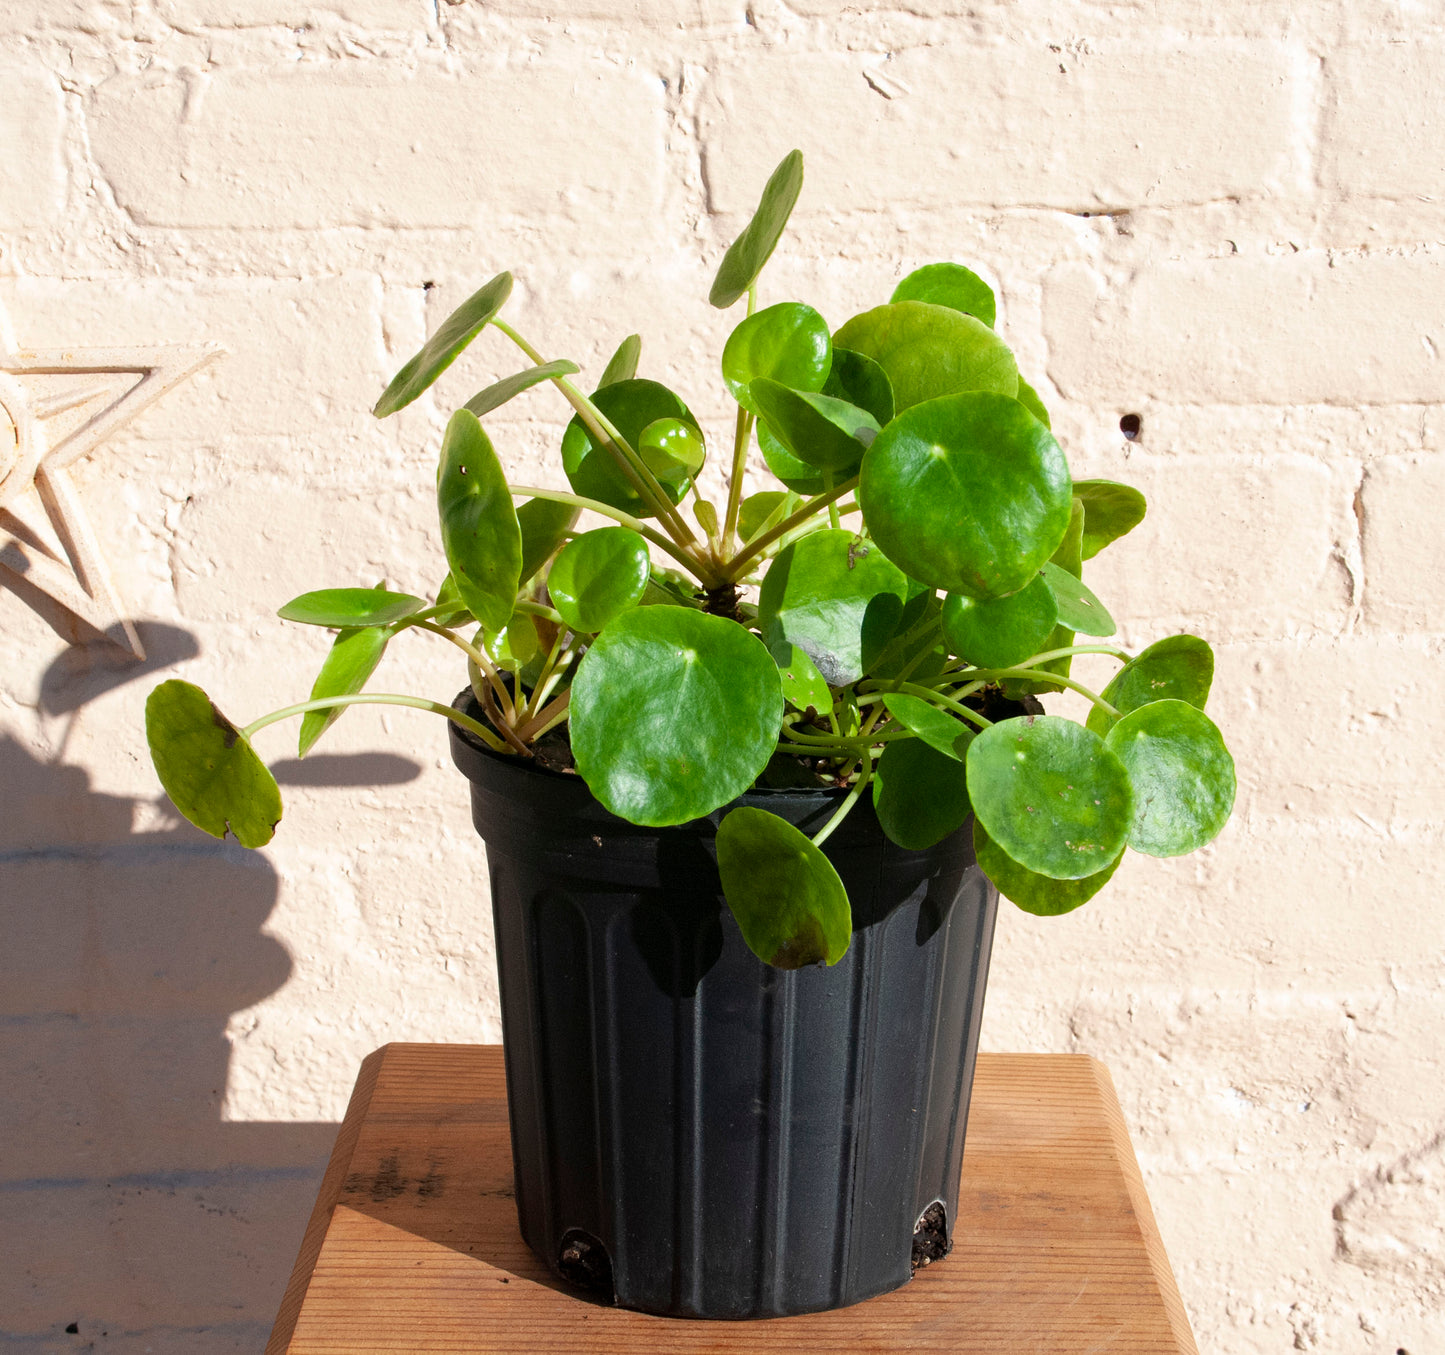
(1110, 511)
(951, 285)
(497, 394)
(825, 433)
(803, 684)
(544, 524)
(881, 622)
(920, 794)
(937, 728)
(479, 528)
(622, 365)
(790, 905)
(761, 511)
(514, 647)
(797, 475)
(673, 713)
(747, 254)
(969, 493)
(671, 447)
(1079, 609)
(631, 406)
(351, 660)
(1000, 632)
(862, 382)
(1178, 667)
(1181, 773)
(788, 343)
(335, 607)
(208, 767)
(1037, 894)
(816, 595)
(1028, 397)
(928, 351)
(914, 648)
(441, 350)
(1052, 796)
(598, 576)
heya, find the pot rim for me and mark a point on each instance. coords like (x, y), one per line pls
(466, 702)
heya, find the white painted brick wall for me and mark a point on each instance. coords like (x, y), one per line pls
(1223, 217)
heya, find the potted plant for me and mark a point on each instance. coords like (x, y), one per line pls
(750, 783)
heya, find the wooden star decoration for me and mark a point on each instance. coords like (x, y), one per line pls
(56, 406)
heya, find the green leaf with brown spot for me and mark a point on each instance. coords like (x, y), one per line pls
(208, 767)
(790, 905)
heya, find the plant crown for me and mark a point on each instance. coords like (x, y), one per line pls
(859, 627)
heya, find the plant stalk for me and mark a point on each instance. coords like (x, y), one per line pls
(626, 456)
(1043, 675)
(379, 699)
(741, 435)
(864, 777)
(735, 566)
(694, 564)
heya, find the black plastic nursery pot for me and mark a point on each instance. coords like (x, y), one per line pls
(695, 1133)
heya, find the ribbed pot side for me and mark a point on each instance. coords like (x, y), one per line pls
(737, 1141)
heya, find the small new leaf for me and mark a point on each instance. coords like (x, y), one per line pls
(349, 663)
(484, 401)
(622, 365)
(747, 255)
(441, 350)
(337, 607)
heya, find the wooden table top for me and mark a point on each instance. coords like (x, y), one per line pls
(413, 1245)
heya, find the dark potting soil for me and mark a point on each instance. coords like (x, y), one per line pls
(930, 1238)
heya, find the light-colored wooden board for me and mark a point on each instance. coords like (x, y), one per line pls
(413, 1245)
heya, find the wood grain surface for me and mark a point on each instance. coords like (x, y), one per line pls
(413, 1245)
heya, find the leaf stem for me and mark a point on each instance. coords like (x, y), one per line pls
(630, 463)
(834, 521)
(538, 609)
(958, 708)
(735, 566)
(552, 713)
(826, 830)
(504, 725)
(742, 432)
(1079, 649)
(831, 740)
(476, 655)
(693, 564)
(379, 699)
(544, 678)
(1044, 675)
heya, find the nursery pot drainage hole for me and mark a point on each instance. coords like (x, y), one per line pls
(930, 1237)
(583, 1261)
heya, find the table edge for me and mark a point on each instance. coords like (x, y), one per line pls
(337, 1168)
(1163, 1272)
(348, 1134)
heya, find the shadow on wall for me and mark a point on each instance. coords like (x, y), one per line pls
(131, 1217)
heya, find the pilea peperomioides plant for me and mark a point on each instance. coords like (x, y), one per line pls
(865, 626)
